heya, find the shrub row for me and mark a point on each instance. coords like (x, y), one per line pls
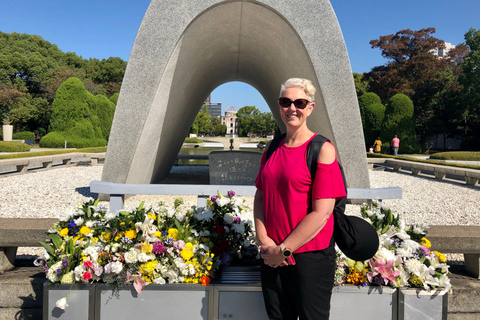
(57, 139)
(51, 152)
(459, 155)
(11, 146)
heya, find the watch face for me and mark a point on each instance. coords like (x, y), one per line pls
(287, 253)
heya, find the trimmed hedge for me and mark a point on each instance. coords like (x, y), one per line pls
(57, 139)
(459, 155)
(23, 135)
(11, 146)
(376, 155)
(51, 152)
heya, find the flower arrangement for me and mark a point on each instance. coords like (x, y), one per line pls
(404, 257)
(146, 245)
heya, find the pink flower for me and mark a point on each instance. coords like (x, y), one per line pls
(384, 270)
(88, 264)
(87, 275)
(138, 282)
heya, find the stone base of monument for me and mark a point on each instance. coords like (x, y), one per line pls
(237, 296)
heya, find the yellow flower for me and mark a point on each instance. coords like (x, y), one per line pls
(440, 256)
(187, 252)
(172, 233)
(152, 216)
(106, 236)
(356, 278)
(63, 232)
(131, 234)
(148, 267)
(85, 230)
(119, 235)
(158, 234)
(425, 242)
(146, 247)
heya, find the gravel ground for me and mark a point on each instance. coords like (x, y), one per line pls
(55, 193)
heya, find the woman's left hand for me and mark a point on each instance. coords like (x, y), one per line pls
(272, 256)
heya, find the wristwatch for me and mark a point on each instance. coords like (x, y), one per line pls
(285, 252)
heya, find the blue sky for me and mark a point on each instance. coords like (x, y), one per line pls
(102, 29)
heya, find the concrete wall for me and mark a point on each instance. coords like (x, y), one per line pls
(186, 48)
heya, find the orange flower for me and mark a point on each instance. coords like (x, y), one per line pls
(205, 280)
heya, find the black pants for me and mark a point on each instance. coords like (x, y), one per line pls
(300, 291)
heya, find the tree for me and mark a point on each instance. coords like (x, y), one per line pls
(414, 71)
(70, 105)
(470, 95)
(203, 122)
(364, 101)
(399, 120)
(361, 84)
(374, 114)
(247, 117)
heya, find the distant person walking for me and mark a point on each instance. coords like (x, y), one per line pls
(377, 145)
(395, 145)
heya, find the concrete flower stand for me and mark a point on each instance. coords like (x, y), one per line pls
(236, 301)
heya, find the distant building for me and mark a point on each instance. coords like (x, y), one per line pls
(230, 120)
(441, 53)
(215, 109)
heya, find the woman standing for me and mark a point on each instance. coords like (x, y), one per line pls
(378, 145)
(296, 243)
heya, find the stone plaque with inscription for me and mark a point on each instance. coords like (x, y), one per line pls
(233, 167)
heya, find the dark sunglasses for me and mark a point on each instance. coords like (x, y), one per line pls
(299, 103)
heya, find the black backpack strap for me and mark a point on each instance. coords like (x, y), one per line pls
(313, 150)
(274, 144)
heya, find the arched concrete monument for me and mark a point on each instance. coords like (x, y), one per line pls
(184, 49)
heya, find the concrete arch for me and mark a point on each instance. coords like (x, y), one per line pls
(185, 49)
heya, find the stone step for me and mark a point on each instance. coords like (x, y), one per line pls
(19, 313)
(22, 288)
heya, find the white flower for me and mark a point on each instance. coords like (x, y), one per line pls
(114, 267)
(204, 216)
(79, 270)
(222, 201)
(404, 253)
(89, 224)
(110, 216)
(62, 303)
(159, 280)
(170, 212)
(131, 256)
(410, 245)
(229, 218)
(385, 254)
(239, 228)
(171, 275)
(79, 221)
(414, 266)
(418, 230)
(180, 216)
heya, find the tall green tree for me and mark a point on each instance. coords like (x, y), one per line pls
(414, 71)
(469, 113)
(247, 117)
(374, 114)
(70, 105)
(362, 85)
(399, 120)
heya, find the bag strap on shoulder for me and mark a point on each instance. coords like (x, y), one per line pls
(274, 144)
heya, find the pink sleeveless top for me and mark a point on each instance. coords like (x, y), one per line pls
(287, 187)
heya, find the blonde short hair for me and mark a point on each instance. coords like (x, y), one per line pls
(304, 84)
